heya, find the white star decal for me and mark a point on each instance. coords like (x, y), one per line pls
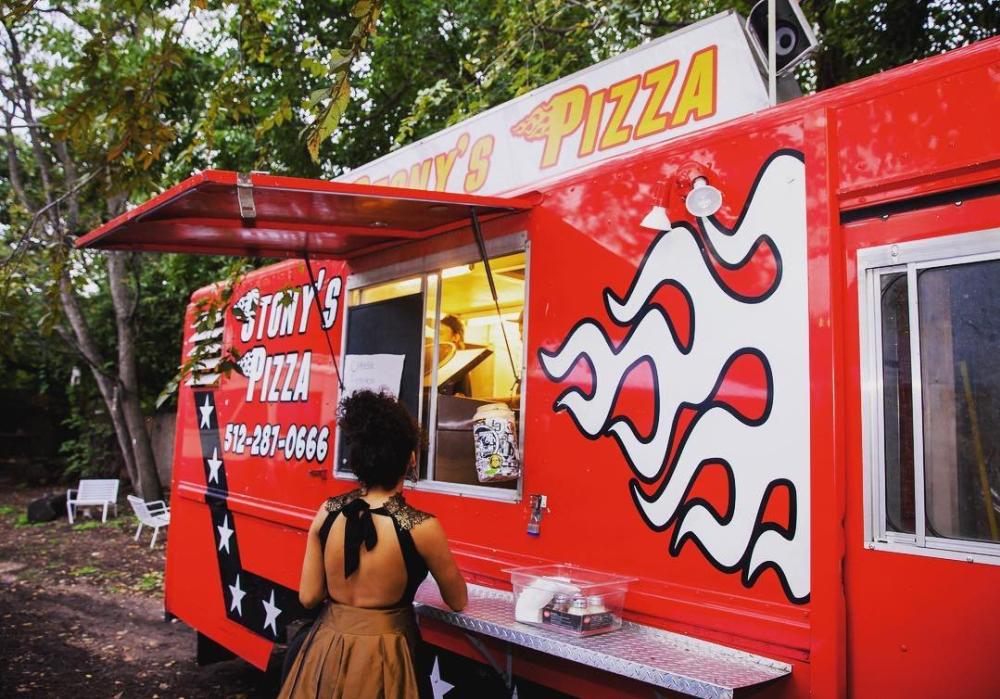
(213, 465)
(224, 533)
(237, 594)
(272, 613)
(438, 685)
(206, 412)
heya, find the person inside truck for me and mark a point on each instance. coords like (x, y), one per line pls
(452, 330)
(366, 553)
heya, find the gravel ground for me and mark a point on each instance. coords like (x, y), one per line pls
(81, 615)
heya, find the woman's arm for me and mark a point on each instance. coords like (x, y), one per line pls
(312, 585)
(433, 546)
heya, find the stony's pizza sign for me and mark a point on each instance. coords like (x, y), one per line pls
(697, 77)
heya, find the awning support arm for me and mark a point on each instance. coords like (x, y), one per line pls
(244, 197)
(326, 330)
(481, 244)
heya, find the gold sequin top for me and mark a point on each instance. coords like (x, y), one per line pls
(359, 531)
(405, 516)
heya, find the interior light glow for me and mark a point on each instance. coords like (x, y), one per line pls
(490, 320)
(450, 272)
(408, 284)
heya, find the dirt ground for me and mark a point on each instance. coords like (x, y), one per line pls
(81, 614)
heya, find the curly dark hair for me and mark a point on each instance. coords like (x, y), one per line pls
(380, 435)
(455, 324)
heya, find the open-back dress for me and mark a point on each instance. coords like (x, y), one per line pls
(364, 652)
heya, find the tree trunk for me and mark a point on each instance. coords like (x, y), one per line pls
(124, 302)
(120, 394)
(106, 385)
(124, 443)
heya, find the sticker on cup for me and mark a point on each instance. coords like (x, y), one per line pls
(495, 432)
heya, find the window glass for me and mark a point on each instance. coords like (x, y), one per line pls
(432, 282)
(960, 379)
(479, 360)
(384, 341)
(384, 292)
(897, 404)
(472, 357)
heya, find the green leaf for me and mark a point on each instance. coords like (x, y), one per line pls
(315, 68)
(329, 120)
(338, 62)
(317, 96)
(339, 53)
(169, 390)
(361, 8)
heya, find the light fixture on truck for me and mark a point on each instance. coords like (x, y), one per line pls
(703, 199)
(657, 218)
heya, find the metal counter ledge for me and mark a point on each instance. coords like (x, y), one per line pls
(657, 657)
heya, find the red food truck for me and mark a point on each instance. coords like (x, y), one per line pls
(751, 354)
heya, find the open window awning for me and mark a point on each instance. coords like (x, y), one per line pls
(225, 213)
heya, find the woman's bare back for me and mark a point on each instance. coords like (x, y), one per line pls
(406, 544)
(381, 578)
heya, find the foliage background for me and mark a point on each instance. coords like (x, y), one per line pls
(144, 93)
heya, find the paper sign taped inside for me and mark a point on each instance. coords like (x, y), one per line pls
(374, 372)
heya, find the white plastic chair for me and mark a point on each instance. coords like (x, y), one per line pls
(154, 514)
(95, 492)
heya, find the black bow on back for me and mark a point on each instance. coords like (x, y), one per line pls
(358, 528)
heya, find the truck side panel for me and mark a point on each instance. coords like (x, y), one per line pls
(252, 457)
(916, 625)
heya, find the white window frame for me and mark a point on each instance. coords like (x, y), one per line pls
(873, 263)
(466, 254)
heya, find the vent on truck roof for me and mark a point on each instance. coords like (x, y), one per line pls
(206, 354)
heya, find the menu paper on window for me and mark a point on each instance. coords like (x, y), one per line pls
(373, 372)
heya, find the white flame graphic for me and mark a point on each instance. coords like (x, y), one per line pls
(761, 454)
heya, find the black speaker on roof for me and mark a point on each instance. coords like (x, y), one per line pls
(794, 39)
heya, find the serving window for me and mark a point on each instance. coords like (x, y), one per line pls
(931, 377)
(436, 323)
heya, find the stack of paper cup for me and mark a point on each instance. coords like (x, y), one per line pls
(495, 432)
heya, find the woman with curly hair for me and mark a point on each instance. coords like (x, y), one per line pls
(366, 554)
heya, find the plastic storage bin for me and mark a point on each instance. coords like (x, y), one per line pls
(568, 599)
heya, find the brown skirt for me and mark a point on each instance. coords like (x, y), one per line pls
(358, 653)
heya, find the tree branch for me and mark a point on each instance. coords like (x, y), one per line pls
(80, 339)
(70, 340)
(42, 211)
(14, 165)
(24, 91)
(65, 13)
(21, 126)
(70, 175)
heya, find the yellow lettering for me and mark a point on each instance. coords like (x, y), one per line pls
(364, 179)
(653, 119)
(420, 174)
(697, 96)
(566, 113)
(444, 162)
(622, 94)
(398, 179)
(595, 110)
(479, 163)
(381, 182)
